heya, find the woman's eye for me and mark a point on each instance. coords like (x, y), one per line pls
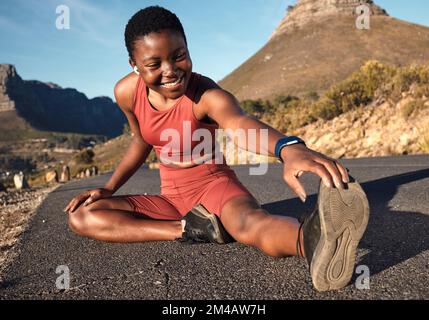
(153, 65)
(180, 56)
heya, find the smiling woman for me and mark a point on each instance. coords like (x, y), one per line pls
(205, 202)
(164, 64)
(161, 58)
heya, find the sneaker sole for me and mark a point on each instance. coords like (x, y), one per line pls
(344, 217)
(220, 235)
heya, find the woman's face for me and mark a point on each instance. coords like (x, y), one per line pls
(163, 62)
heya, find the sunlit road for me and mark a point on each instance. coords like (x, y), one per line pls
(395, 248)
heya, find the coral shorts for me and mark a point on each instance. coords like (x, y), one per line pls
(211, 185)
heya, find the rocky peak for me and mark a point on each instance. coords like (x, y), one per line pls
(6, 71)
(8, 78)
(306, 11)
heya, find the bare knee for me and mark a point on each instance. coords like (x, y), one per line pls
(85, 222)
(77, 222)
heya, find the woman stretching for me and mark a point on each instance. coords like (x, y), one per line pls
(201, 199)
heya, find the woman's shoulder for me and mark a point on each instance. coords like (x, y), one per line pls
(125, 91)
(209, 90)
(205, 85)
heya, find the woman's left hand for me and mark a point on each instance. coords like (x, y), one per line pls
(299, 159)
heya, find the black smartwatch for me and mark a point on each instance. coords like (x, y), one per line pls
(286, 141)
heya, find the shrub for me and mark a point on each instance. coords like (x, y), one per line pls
(325, 109)
(283, 101)
(359, 89)
(252, 107)
(412, 106)
(373, 80)
(85, 156)
(311, 96)
(406, 77)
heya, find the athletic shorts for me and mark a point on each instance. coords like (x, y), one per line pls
(211, 185)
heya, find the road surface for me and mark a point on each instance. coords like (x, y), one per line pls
(394, 250)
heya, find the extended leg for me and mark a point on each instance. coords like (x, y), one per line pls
(248, 223)
(329, 237)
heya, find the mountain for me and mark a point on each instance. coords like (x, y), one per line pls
(318, 44)
(27, 105)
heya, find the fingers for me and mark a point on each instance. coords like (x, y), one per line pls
(343, 171)
(296, 185)
(333, 170)
(321, 171)
(76, 202)
(90, 200)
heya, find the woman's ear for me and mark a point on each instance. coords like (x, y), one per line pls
(133, 65)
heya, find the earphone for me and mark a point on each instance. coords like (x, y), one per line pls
(136, 71)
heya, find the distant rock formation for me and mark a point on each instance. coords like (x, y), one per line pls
(7, 74)
(306, 11)
(318, 43)
(48, 107)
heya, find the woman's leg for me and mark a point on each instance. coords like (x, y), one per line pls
(249, 224)
(114, 220)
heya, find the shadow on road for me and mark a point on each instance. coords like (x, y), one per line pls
(392, 236)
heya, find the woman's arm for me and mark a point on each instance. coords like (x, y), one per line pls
(134, 157)
(224, 108)
(138, 150)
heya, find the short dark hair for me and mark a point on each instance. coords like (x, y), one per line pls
(147, 20)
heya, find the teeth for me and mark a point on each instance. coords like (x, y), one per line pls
(172, 84)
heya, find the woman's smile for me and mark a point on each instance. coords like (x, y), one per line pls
(174, 84)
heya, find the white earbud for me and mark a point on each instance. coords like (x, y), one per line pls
(136, 71)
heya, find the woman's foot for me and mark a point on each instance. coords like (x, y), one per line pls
(331, 235)
(199, 225)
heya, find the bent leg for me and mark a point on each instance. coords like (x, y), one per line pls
(116, 220)
(249, 224)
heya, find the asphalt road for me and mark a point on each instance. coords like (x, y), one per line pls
(395, 247)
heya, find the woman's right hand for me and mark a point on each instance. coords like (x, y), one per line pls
(87, 197)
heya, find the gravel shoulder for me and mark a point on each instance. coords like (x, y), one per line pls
(17, 207)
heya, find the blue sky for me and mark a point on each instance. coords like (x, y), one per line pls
(91, 56)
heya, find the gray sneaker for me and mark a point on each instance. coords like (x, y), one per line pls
(331, 234)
